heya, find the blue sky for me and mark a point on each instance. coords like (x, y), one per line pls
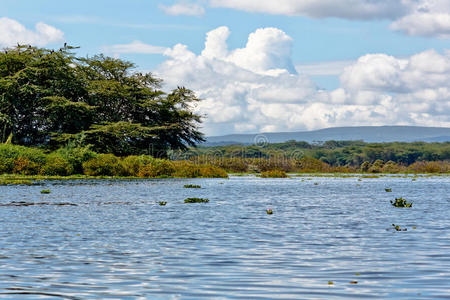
(333, 45)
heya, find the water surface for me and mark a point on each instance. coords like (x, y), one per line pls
(115, 242)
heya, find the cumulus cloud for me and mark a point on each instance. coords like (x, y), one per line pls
(256, 89)
(12, 32)
(134, 47)
(412, 17)
(183, 8)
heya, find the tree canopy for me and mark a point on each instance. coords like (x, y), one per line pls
(48, 98)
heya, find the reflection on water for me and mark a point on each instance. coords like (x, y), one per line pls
(111, 239)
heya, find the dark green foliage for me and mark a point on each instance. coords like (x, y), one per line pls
(45, 192)
(52, 97)
(388, 190)
(162, 203)
(196, 200)
(192, 186)
(400, 202)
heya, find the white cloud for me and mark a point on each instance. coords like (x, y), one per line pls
(183, 8)
(424, 24)
(134, 47)
(252, 89)
(12, 32)
(348, 9)
(412, 17)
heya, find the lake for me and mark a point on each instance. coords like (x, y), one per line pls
(328, 238)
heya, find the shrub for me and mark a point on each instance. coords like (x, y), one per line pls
(24, 166)
(430, 167)
(391, 167)
(56, 165)
(20, 159)
(274, 174)
(157, 168)
(133, 164)
(312, 165)
(185, 169)
(76, 156)
(377, 166)
(103, 165)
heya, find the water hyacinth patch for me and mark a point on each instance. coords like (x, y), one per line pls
(388, 190)
(192, 186)
(397, 228)
(400, 202)
(269, 211)
(45, 192)
(196, 200)
(162, 203)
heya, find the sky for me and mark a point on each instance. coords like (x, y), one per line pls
(265, 65)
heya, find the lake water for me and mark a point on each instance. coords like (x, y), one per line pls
(116, 242)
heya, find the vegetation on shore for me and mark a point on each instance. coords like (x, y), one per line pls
(70, 161)
(314, 165)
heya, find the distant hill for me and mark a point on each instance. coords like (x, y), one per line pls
(365, 133)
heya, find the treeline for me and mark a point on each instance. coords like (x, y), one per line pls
(313, 165)
(351, 154)
(71, 160)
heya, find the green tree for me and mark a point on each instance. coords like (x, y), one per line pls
(52, 97)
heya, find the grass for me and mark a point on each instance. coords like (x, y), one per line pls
(400, 202)
(192, 186)
(196, 200)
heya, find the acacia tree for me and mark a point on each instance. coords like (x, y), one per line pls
(51, 97)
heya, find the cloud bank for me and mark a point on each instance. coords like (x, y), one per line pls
(12, 32)
(256, 88)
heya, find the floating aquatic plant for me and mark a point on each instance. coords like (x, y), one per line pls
(162, 203)
(330, 282)
(400, 202)
(192, 186)
(354, 282)
(196, 200)
(45, 192)
(269, 211)
(274, 174)
(316, 183)
(388, 190)
(397, 228)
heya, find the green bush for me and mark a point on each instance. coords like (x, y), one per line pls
(133, 164)
(20, 159)
(103, 165)
(185, 169)
(274, 174)
(157, 168)
(76, 156)
(56, 165)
